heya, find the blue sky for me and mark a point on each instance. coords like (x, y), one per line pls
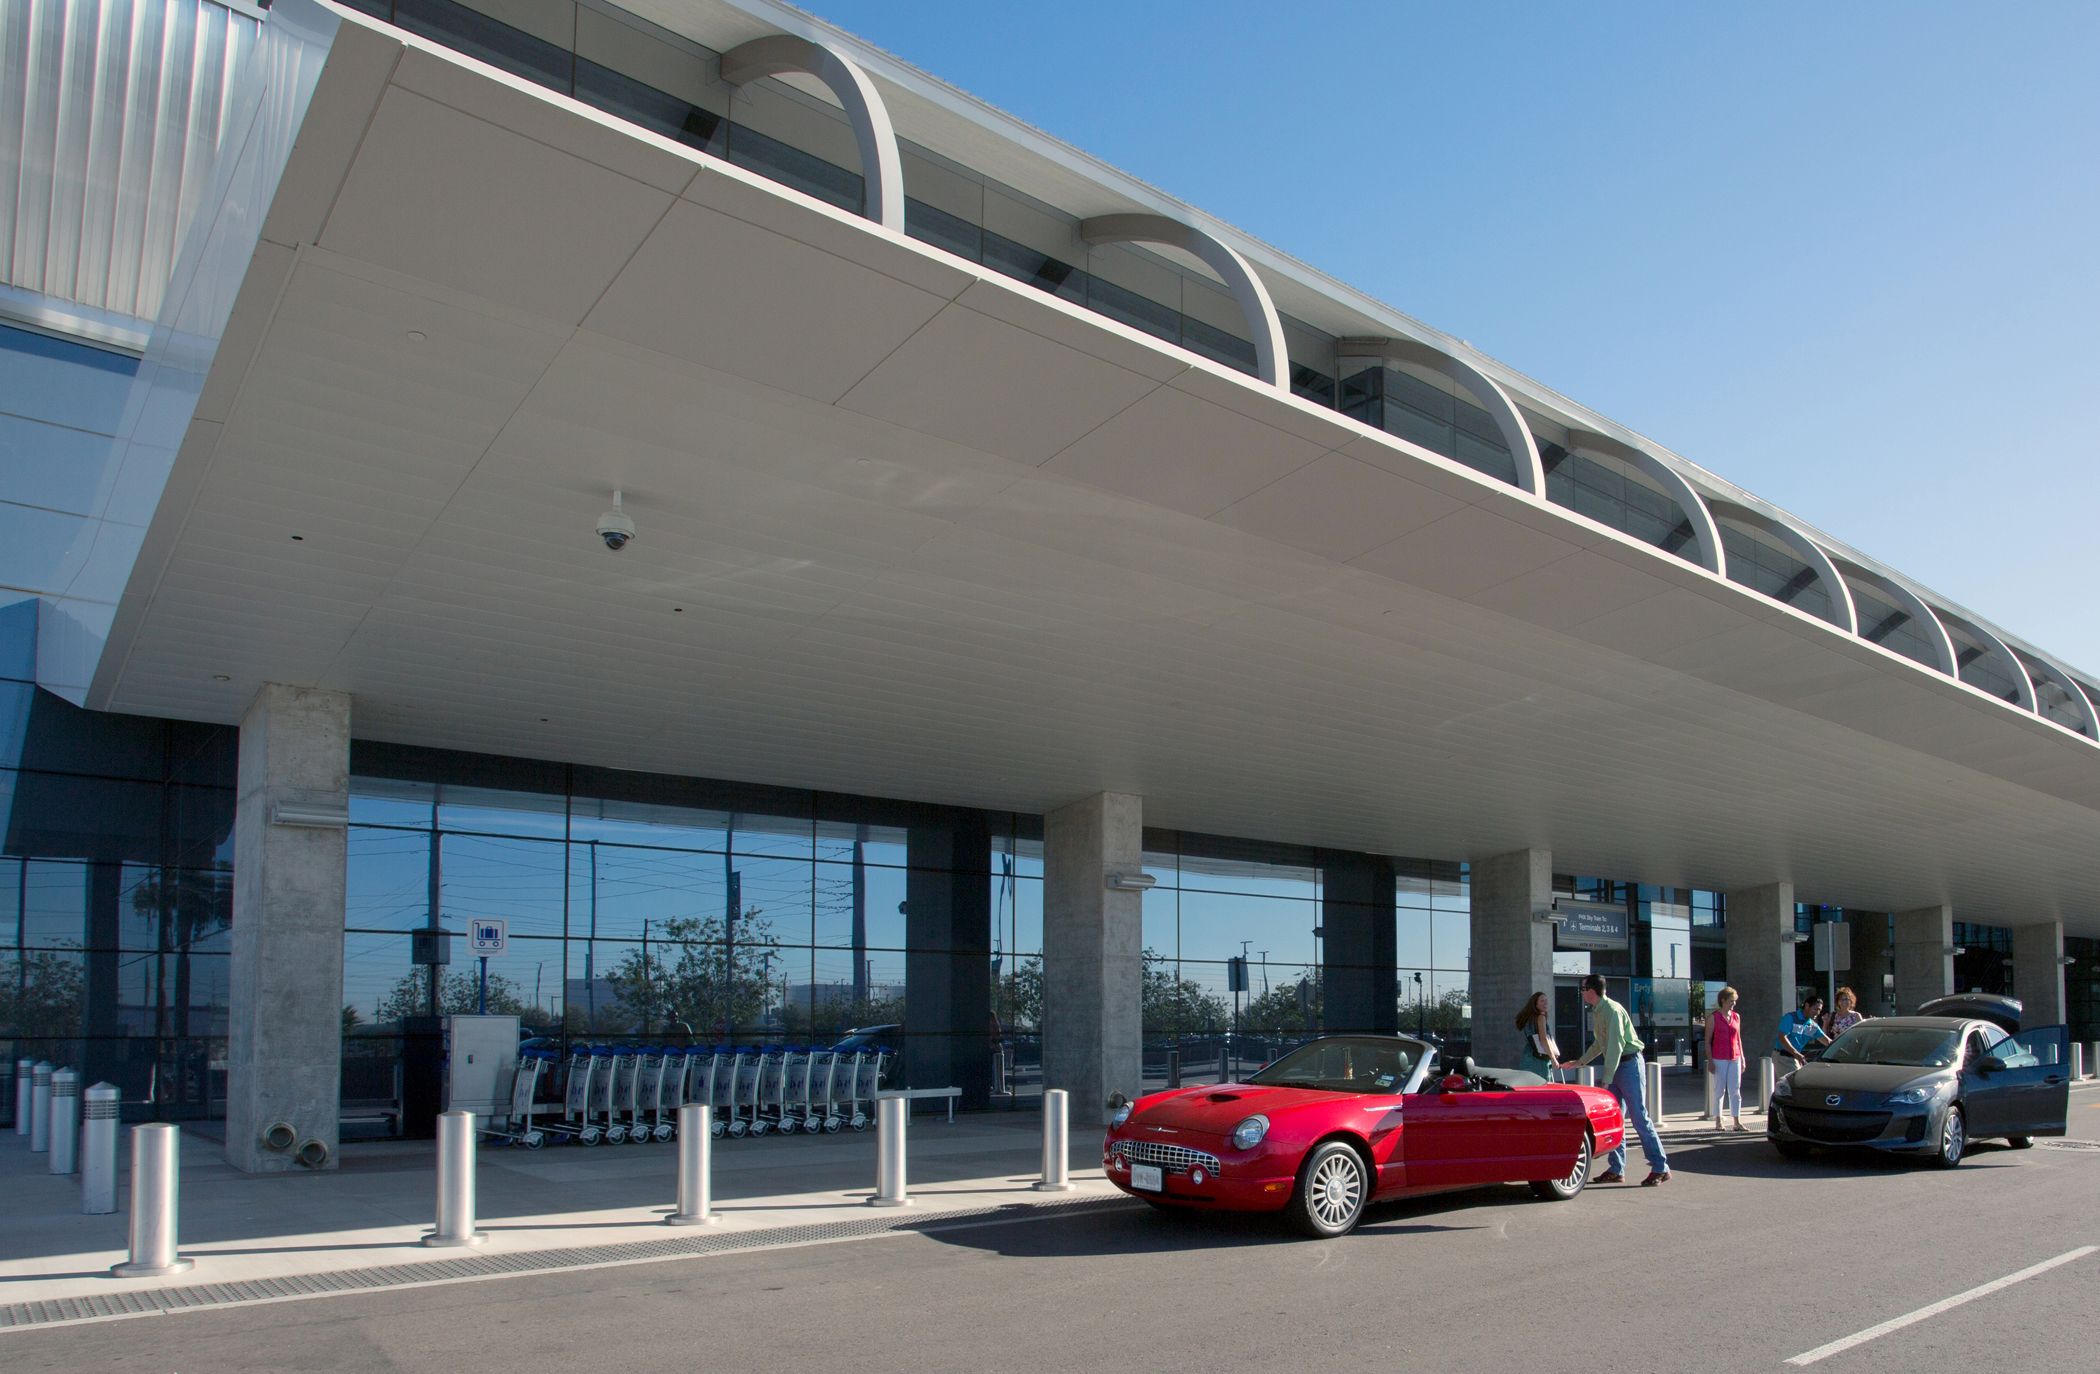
(1841, 255)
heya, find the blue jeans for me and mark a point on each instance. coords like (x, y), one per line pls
(1629, 1085)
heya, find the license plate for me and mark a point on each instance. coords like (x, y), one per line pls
(1146, 1176)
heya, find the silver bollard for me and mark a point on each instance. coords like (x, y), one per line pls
(40, 1107)
(25, 1074)
(1713, 1096)
(2077, 1061)
(455, 1182)
(1589, 1075)
(99, 1107)
(65, 1121)
(890, 1115)
(695, 1163)
(2092, 1059)
(156, 1179)
(1767, 1079)
(1056, 1131)
(1653, 1090)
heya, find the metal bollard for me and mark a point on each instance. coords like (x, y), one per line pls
(40, 1107)
(99, 1107)
(890, 1116)
(1713, 1096)
(2092, 1058)
(1173, 1069)
(1589, 1075)
(455, 1182)
(695, 1165)
(1056, 1131)
(2077, 1061)
(1767, 1078)
(65, 1121)
(156, 1179)
(1654, 1090)
(25, 1074)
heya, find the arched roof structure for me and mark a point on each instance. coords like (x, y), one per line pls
(881, 167)
(1272, 363)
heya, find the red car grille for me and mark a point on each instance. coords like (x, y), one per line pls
(1175, 1159)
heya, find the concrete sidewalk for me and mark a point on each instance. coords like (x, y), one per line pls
(373, 1210)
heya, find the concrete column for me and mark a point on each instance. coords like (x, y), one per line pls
(948, 969)
(2038, 974)
(1924, 968)
(1512, 949)
(1360, 949)
(285, 1045)
(1093, 944)
(1761, 961)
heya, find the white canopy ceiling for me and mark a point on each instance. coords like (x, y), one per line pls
(914, 530)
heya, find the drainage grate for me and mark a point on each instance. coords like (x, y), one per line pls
(191, 1297)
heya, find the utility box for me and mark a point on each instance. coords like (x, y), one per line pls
(481, 1059)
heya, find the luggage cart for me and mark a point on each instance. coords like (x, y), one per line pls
(576, 1122)
(867, 1079)
(769, 1107)
(743, 1090)
(518, 1126)
(794, 1088)
(648, 1080)
(705, 1079)
(669, 1092)
(627, 1062)
(600, 1113)
(816, 1110)
(839, 1105)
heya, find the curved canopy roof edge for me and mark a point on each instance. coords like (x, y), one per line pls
(1516, 435)
(1706, 535)
(1805, 549)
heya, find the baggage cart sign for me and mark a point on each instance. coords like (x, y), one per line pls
(490, 936)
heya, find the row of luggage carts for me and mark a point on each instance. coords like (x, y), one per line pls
(632, 1093)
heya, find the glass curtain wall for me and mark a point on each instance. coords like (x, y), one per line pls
(116, 892)
(646, 908)
(1434, 908)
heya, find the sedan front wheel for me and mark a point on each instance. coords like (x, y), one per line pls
(1333, 1188)
(1954, 1139)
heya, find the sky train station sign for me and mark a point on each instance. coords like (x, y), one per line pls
(1589, 925)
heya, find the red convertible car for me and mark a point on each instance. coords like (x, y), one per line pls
(1344, 1121)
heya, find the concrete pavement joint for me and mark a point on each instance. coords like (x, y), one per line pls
(159, 1302)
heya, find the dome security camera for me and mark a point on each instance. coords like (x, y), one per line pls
(614, 527)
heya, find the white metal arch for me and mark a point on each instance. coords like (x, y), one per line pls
(1706, 535)
(2061, 676)
(2023, 689)
(1911, 604)
(880, 166)
(1271, 362)
(1804, 548)
(1516, 435)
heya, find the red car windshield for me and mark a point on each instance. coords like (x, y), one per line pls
(1344, 1064)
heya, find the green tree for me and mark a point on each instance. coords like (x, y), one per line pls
(1017, 995)
(1172, 1006)
(1286, 1007)
(42, 994)
(690, 974)
(459, 994)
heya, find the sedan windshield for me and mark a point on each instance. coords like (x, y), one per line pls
(1909, 1045)
(1344, 1065)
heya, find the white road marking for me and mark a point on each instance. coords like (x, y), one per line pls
(1824, 1352)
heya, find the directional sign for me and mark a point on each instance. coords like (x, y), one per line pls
(489, 936)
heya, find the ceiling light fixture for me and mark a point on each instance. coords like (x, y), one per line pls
(614, 527)
(417, 335)
(220, 677)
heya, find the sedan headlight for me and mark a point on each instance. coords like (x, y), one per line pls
(1784, 1088)
(1911, 1097)
(1122, 1114)
(1250, 1133)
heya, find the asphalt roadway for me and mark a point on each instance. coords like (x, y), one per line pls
(1742, 1262)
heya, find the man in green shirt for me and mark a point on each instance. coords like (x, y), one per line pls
(1613, 1042)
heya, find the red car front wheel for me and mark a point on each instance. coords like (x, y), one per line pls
(1333, 1187)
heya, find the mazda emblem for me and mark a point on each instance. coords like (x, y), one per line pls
(1832, 1100)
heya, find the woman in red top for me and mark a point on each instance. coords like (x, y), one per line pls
(1724, 1044)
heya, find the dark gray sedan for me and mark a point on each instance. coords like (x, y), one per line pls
(1925, 1085)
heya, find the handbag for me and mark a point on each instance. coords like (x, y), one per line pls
(1542, 1045)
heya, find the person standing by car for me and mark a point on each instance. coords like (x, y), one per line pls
(1800, 1032)
(1724, 1046)
(1612, 1041)
(1845, 1015)
(1540, 1055)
